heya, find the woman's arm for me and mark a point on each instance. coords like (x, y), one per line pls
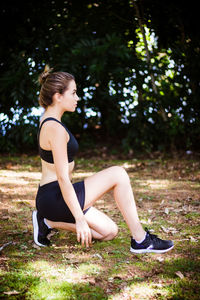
(58, 138)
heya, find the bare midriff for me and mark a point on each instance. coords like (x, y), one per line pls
(49, 172)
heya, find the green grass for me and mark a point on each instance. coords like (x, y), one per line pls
(107, 270)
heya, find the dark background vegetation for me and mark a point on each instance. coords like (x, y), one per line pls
(142, 98)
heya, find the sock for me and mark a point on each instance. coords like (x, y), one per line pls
(139, 242)
(45, 222)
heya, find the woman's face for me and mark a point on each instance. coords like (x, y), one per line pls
(70, 98)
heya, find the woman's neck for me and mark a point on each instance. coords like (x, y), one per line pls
(53, 112)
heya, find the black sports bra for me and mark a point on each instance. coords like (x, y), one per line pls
(72, 145)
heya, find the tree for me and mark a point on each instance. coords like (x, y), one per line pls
(140, 97)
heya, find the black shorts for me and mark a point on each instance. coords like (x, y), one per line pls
(51, 205)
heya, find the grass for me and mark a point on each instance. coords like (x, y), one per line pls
(167, 194)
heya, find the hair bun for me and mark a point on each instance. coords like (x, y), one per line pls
(42, 78)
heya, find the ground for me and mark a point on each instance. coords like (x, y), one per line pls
(167, 193)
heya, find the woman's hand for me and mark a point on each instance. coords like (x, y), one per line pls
(83, 232)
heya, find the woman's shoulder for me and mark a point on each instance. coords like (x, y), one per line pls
(53, 127)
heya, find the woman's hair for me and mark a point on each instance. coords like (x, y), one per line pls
(51, 83)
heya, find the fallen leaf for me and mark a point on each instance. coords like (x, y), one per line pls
(158, 285)
(97, 255)
(179, 274)
(110, 279)
(52, 233)
(166, 210)
(149, 221)
(193, 239)
(173, 229)
(117, 278)
(24, 247)
(36, 247)
(5, 245)
(162, 202)
(159, 258)
(185, 208)
(92, 281)
(164, 229)
(12, 293)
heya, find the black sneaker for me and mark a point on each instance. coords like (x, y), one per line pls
(151, 244)
(40, 230)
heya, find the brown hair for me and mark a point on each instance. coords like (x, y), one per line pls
(51, 83)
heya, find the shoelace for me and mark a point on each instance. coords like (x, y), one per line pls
(153, 237)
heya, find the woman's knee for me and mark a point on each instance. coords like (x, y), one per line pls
(120, 174)
(112, 233)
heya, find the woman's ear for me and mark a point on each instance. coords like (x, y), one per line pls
(57, 97)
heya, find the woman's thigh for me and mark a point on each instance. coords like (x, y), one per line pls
(101, 182)
(101, 223)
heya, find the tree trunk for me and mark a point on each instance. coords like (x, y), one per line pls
(140, 19)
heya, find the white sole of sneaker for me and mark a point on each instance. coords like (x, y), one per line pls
(36, 229)
(140, 251)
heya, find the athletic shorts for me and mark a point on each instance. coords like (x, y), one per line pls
(51, 204)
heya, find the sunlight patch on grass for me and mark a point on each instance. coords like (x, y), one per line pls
(48, 271)
(18, 178)
(20, 189)
(154, 184)
(90, 269)
(194, 185)
(64, 272)
(142, 291)
(82, 174)
(143, 185)
(40, 265)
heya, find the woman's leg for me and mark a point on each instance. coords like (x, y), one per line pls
(102, 227)
(98, 184)
(117, 179)
(101, 224)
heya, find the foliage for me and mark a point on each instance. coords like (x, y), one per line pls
(101, 43)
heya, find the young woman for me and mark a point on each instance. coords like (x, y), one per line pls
(63, 205)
